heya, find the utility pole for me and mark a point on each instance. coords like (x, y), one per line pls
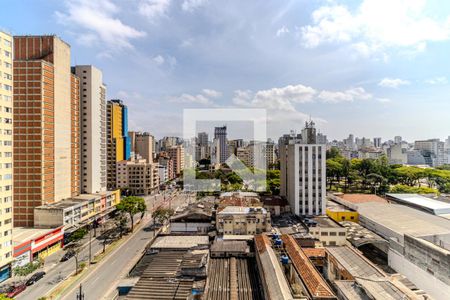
(90, 244)
(80, 294)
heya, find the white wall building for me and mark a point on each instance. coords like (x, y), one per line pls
(93, 129)
(303, 175)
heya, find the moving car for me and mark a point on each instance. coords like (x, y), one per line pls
(68, 255)
(35, 277)
(16, 290)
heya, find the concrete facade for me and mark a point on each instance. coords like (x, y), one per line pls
(176, 153)
(93, 129)
(139, 176)
(243, 220)
(6, 159)
(47, 110)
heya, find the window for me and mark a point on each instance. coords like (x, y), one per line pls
(7, 76)
(341, 233)
(7, 65)
(332, 233)
(323, 233)
(7, 43)
(7, 53)
(7, 87)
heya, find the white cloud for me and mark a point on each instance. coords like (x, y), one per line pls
(211, 93)
(437, 80)
(375, 26)
(393, 82)
(383, 100)
(159, 60)
(154, 8)
(188, 98)
(203, 98)
(166, 60)
(348, 95)
(98, 21)
(191, 5)
(282, 31)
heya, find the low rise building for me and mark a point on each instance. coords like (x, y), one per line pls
(192, 221)
(419, 244)
(275, 204)
(76, 211)
(30, 244)
(243, 220)
(328, 232)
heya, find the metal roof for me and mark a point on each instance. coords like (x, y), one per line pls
(354, 263)
(404, 220)
(433, 206)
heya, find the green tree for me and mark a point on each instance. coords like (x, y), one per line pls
(78, 234)
(4, 297)
(333, 152)
(162, 214)
(132, 205)
(401, 188)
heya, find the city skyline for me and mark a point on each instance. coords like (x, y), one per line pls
(362, 77)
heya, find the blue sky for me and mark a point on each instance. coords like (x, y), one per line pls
(370, 67)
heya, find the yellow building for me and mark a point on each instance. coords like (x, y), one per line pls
(6, 157)
(339, 214)
(118, 141)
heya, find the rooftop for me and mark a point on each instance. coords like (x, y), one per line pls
(405, 220)
(354, 262)
(326, 222)
(180, 242)
(274, 200)
(233, 278)
(24, 234)
(316, 285)
(314, 252)
(168, 274)
(358, 235)
(362, 198)
(230, 246)
(242, 210)
(428, 204)
(238, 194)
(362, 289)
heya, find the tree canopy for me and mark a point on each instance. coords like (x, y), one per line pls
(132, 205)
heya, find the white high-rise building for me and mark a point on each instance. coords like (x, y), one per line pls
(303, 173)
(397, 139)
(93, 129)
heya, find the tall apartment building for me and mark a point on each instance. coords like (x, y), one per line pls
(118, 142)
(166, 162)
(177, 154)
(6, 157)
(202, 146)
(46, 128)
(93, 128)
(303, 173)
(220, 138)
(142, 144)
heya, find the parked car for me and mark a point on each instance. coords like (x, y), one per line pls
(68, 255)
(35, 277)
(16, 290)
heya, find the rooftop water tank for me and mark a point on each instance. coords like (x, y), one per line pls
(284, 259)
(278, 242)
